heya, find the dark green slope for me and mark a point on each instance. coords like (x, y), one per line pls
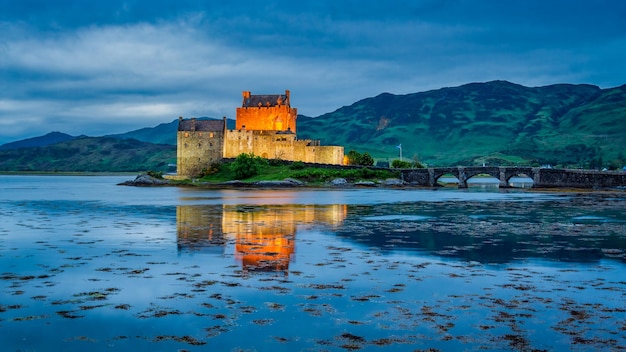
(96, 154)
(495, 122)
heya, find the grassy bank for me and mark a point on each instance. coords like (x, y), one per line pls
(264, 170)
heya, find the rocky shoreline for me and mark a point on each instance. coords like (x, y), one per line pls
(145, 180)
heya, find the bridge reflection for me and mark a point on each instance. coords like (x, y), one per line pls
(263, 237)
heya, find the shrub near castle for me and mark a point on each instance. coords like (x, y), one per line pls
(356, 158)
(251, 168)
(247, 165)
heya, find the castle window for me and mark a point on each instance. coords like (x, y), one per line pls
(211, 135)
(186, 134)
(199, 145)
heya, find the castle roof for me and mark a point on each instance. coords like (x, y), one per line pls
(201, 125)
(268, 100)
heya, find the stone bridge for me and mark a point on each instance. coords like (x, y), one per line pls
(542, 177)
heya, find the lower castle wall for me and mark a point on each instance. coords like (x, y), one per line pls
(329, 155)
(197, 150)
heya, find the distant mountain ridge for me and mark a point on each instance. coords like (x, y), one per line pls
(496, 123)
(94, 154)
(41, 141)
(164, 133)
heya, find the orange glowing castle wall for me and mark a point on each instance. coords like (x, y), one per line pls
(266, 113)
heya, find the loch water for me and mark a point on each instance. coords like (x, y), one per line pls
(89, 265)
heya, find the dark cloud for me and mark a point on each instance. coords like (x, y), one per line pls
(99, 67)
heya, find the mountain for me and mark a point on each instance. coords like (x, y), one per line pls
(164, 133)
(498, 123)
(41, 141)
(97, 154)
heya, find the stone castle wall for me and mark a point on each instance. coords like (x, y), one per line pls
(266, 144)
(277, 145)
(197, 150)
(329, 155)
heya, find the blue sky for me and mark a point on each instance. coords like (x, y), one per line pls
(102, 67)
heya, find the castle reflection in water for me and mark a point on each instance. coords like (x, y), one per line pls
(263, 237)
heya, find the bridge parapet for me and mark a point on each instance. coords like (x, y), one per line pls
(546, 178)
(579, 178)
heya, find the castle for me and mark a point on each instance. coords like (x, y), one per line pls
(265, 126)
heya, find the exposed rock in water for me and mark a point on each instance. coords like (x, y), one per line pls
(294, 181)
(144, 180)
(339, 182)
(393, 182)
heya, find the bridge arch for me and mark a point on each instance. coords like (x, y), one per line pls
(507, 173)
(437, 173)
(472, 172)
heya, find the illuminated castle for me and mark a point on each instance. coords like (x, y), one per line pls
(265, 126)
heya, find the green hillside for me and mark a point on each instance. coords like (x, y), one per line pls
(97, 154)
(499, 123)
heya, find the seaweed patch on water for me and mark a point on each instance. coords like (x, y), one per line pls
(158, 312)
(350, 341)
(184, 339)
(30, 317)
(69, 314)
(216, 330)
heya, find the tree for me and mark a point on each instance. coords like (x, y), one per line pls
(403, 164)
(356, 158)
(366, 160)
(246, 165)
(400, 164)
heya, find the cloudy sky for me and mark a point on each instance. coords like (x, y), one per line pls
(112, 66)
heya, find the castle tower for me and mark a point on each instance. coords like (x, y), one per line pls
(266, 113)
(198, 144)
